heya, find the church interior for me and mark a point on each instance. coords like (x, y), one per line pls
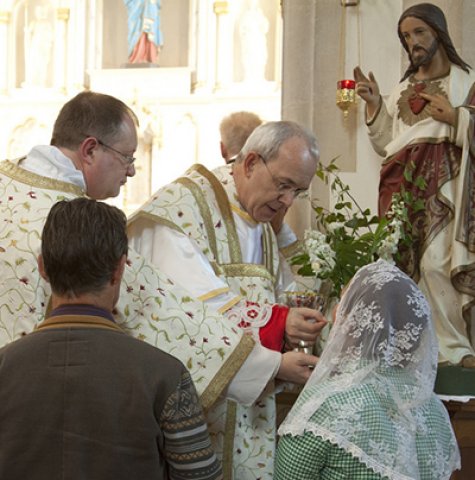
(281, 59)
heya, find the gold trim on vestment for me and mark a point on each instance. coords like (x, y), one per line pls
(230, 304)
(244, 215)
(225, 209)
(247, 270)
(218, 271)
(291, 250)
(226, 373)
(213, 293)
(78, 321)
(19, 174)
(228, 443)
(267, 250)
(204, 211)
(141, 215)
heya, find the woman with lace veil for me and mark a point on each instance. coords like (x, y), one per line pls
(368, 411)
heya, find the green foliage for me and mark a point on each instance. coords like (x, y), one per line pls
(349, 237)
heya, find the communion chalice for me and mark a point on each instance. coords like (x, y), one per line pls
(306, 299)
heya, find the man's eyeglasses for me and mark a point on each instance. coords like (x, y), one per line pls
(284, 188)
(128, 159)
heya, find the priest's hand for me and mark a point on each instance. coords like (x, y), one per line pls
(303, 324)
(294, 367)
(368, 89)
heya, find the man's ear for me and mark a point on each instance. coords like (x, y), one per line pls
(119, 271)
(86, 150)
(41, 267)
(249, 163)
(224, 150)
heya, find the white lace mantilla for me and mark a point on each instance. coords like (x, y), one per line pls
(372, 391)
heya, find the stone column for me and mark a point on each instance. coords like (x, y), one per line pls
(309, 76)
(278, 47)
(60, 49)
(5, 18)
(223, 65)
(200, 51)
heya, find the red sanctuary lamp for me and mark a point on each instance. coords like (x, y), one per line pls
(345, 95)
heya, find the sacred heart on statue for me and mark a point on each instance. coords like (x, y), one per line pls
(416, 102)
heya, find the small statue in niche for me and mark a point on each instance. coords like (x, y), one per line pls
(144, 35)
(39, 38)
(253, 30)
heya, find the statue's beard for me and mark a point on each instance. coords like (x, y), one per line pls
(423, 59)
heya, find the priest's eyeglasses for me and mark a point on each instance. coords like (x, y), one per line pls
(284, 188)
(128, 160)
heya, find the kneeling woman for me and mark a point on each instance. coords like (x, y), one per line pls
(368, 411)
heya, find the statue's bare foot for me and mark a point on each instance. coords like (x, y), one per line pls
(468, 361)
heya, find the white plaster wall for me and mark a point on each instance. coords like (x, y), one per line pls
(380, 51)
(179, 125)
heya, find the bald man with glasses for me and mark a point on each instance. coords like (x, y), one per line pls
(210, 232)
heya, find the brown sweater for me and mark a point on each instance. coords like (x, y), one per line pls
(86, 401)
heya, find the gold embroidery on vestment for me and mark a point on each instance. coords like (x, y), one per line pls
(227, 372)
(247, 270)
(19, 174)
(230, 304)
(268, 251)
(142, 215)
(228, 444)
(291, 250)
(204, 211)
(225, 209)
(213, 293)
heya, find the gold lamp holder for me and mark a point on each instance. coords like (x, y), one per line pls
(346, 89)
(345, 95)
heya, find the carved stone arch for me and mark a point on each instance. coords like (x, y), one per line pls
(26, 135)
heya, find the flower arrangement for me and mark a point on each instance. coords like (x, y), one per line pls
(349, 237)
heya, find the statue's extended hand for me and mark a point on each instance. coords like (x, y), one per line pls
(368, 89)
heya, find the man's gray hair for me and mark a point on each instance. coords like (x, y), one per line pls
(267, 139)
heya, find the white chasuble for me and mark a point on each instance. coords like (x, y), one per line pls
(203, 206)
(151, 306)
